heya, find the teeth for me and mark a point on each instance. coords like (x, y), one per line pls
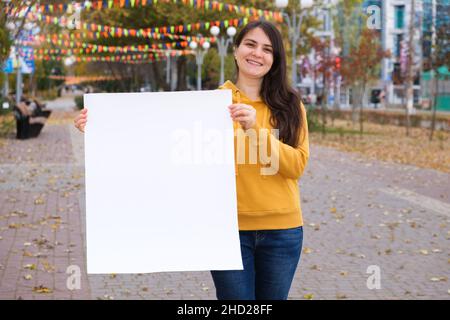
(254, 62)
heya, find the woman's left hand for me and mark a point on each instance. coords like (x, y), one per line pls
(244, 114)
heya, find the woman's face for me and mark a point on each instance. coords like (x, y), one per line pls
(254, 56)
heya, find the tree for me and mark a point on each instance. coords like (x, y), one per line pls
(361, 67)
(440, 56)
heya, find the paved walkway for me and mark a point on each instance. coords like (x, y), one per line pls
(358, 213)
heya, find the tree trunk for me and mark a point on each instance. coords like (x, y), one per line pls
(324, 107)
(160, 82)
(121, 81)
(410, 74)
(361, 128)
(182, 68)
(434, 101)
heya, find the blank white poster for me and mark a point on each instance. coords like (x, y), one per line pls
(160, 182)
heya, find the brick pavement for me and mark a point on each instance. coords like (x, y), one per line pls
(357, 213)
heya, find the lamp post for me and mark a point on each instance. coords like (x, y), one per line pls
(222, 46)
(199, 56)
(294, 23)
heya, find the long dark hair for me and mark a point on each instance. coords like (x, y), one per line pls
(282, 100)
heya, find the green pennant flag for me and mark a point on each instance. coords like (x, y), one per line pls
(221, 6)
(110, 4)
(172, 29)
(226, 23)
(113, 31)
(192, 3)
(125, 32)
(132, 3)
(156, 30)
(189, 27)
(207, 25)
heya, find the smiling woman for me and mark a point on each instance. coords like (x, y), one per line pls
(269, 213)
(267, 110)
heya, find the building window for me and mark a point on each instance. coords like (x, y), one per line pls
(399, 17)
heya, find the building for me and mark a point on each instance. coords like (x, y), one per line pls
(394, 17)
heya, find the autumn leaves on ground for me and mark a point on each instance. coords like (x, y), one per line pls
(390, 143)
(382, 142)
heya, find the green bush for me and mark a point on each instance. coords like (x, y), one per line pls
(313, 119)
(79, 102)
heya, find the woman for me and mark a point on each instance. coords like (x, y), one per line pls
(269, 213)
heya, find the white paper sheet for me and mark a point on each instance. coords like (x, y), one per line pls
(160, 183)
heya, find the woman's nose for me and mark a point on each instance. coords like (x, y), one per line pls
(257, 52)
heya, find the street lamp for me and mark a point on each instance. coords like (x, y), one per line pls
(294, 23)
(199, 55)
(222, 46)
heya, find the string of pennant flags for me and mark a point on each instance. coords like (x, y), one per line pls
(141, 53)
(114, 49)
(134, 58)
(99, 35)
(198, 4)
(78, 79)
(143, 32)
(68, 52)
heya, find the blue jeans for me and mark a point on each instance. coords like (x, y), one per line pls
(270, 258)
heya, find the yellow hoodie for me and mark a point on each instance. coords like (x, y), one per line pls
(268, 201)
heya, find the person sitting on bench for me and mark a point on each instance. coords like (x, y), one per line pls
(27, 125)
(39, 109)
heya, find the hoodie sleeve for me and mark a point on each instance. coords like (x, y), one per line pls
(290, 162)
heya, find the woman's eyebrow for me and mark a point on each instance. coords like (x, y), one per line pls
(253, 41)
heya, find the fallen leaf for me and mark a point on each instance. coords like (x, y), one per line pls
(341, 296)
(30, 266)
(333, 210)
(42, 289)
(307, 250)
(28, 277)
(39, 201)
(27, 254)
(316, 267)
(436, 279)
(47, 266)
(423, 251)
(308, 296)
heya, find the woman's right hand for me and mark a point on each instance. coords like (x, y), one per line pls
(80, 120)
